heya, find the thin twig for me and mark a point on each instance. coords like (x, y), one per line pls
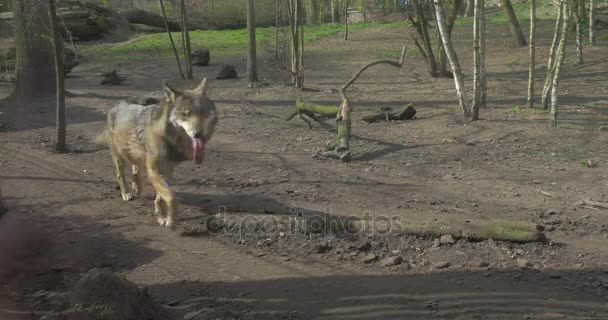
(592, 203)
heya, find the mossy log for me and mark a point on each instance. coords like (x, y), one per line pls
(513, 231)
(311, 110)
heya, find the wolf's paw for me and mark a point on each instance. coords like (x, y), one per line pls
(128, 196)
(169, 223)
(161, 221)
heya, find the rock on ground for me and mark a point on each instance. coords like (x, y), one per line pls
(227, 72)
(100, 295)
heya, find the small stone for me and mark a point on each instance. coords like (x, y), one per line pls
(370, 258)
(436, 243)
(323, 247)
(391, 261)
(441, 265)
(523, 263)
(492, 244)
(536, 181)
(173, 303)
(553, 211)
(480, 264)
(447, 239)
(285, 259)
(520, 252)
(192, 315)
(364, 246)
(554, 275)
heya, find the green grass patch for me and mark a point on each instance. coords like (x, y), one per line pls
(588, 164)
(220, 42)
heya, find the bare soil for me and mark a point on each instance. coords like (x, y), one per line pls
(66, 216)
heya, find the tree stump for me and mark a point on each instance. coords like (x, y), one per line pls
(201, 57)
(112, 78)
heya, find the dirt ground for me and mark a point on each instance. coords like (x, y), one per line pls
(65, 215)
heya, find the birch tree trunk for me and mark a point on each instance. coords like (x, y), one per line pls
(561, 53)
(550, 64)
(252, 68)
(296, 28)
(578, 20)
(476, 62)
(591, 22)
(518, 36)
(57, 41)
(333, 11)
(531, 70)
(482, 54)
(453, 59)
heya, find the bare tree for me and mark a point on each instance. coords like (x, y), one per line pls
(296, 28)
(57, 42)
(545, 95)
(453, 59)
(518, 36)
(531, 69)
(346, 19)
(252, 69)
(579, 17)
(478, 59)
(561, 53)
(179, 64)
(186, 40)
(591, 23)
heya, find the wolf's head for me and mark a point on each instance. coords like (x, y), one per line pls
(195, 113)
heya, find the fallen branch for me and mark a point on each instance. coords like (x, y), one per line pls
(592, 203)
(513, 231)
(310, 110)
(407, 114)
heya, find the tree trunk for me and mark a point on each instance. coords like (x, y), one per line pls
(476, 62)
(453, 59)
(345, 19)
(518, 36)
(470, 8)
(452, 15)
(186, 40)
(591, 22)
(333, 11)
(531, 69)
(426, 48)
(482, 55)
(57, 43)
(296, 28)
(561, 53)
(579, 18)
(179, 64)
(550, 64)
(252, 69)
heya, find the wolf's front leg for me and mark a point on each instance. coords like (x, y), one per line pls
(159, 182)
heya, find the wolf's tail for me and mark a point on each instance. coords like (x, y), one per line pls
(103, 138)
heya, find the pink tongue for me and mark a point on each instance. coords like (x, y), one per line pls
(198, 150)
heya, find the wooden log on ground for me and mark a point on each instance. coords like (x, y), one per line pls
(406, 114)
(311, 110)
(512, 231)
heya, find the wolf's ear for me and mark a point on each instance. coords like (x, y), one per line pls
(170, 92)
(202, 88)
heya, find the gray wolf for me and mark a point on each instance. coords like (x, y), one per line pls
(158, 137)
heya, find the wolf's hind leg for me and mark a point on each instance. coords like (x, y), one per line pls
(136, 185)
(161, 215)
(119, 163)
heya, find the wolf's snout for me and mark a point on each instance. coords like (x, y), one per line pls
(198, 135)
